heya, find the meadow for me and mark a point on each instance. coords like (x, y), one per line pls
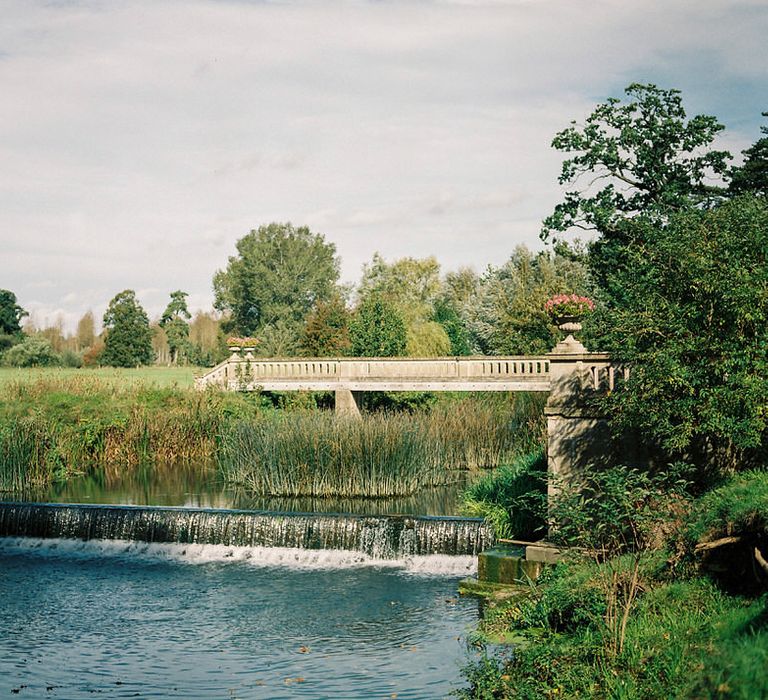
(181, 377)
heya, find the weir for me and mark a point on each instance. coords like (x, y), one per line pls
(380, 537)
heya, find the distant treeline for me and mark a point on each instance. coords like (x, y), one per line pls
(283, 289)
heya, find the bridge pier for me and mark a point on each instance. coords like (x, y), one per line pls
(345, 403)
(578, 435)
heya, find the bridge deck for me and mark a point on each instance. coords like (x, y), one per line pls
(381, 374)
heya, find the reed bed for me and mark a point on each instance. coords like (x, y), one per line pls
(58, 427)
(22, 454)
(378, 456)
(315, 454)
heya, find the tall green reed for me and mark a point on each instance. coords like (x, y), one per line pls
(379, 455)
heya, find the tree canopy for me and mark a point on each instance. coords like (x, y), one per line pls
(693, 325)
(129, 338)
(752, 175)
(278, 274)
(326, 331)
(377, 329)
(639, 156)
(505, 315)
(412, 286)
(10, 313)
(174, 323)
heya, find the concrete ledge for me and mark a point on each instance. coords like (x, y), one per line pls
(546, 554)
(507, 565)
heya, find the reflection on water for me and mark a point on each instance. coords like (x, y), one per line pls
(197, 485)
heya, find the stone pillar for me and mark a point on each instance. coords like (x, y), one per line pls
(577, 436)
(345, 404)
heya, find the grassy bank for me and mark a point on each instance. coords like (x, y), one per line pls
(684, 639)
(160, 377)
(56, 426)
(677, 610)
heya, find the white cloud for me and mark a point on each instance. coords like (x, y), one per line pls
(140, 140)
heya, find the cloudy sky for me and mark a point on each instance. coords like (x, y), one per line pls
(140, 139)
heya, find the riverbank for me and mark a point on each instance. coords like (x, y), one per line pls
(55, 427)
(682, 616)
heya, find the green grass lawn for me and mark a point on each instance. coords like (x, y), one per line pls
(182, 377)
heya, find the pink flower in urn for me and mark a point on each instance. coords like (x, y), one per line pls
(568, 305)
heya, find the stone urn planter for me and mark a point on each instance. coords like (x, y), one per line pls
(569, 324)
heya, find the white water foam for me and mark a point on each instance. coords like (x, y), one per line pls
(426, 565)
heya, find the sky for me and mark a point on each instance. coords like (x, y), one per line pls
(140, 139)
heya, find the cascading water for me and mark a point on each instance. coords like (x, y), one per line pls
(380, 537)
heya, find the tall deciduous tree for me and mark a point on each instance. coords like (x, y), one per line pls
(129, 338)
(207, 342)
(10, 313)
(377, 329)
(326, 331)
(86, 331)
(641, 156)
(505, 316)
(278, 274)
(752, 175)
(412, 286)
(174, 323)
(693, 325)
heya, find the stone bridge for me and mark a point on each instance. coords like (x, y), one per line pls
(577, 434)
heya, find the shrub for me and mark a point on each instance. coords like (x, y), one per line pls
(511, 497)
(33, 351)
(70, 358)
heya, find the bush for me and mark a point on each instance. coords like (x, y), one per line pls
(33, 351)
(618, 509)
(511, 498)
(70, 358)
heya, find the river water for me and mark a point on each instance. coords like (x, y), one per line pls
(199, 486)
(120, 619)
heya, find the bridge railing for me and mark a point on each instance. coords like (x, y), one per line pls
(248, 372)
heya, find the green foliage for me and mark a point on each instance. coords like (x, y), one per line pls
(752, 175)
(506, 316)
(10, 313)
(688, 311)
(684, 640)
(129, 338)
(279, 339)
(33, 351)
(510, 497)
(486, 679)
(326, 329)
(448, 317)
(174, 322)
(646, 157)
(278, 274)
(70, 358)
(412, 287)
(427, 339)
(616, 509)
(737, 508)
(7, 341)
(377, 329)
(409, 284)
